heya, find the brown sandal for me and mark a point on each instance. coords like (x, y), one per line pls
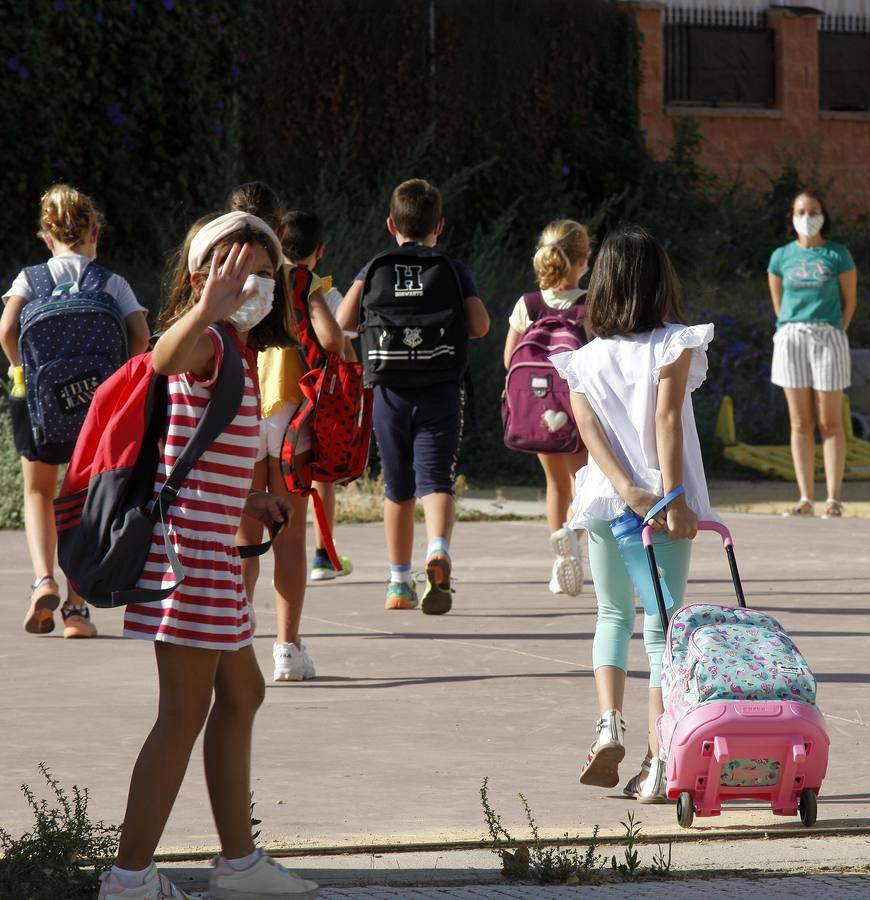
(44, 600)
(804, 509)
(833, 509)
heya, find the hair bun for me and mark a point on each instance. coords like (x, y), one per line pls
(68, 215)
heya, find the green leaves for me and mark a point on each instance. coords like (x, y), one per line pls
(54, 860)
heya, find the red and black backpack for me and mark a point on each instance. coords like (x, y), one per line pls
(336, 407)
(106, 511)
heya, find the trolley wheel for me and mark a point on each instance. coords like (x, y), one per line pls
(808, 807)
(686, 809)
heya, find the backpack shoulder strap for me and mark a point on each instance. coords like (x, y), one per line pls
(94, 277)
(577, 312)
(40, 279)
(535, 305)
(226, 398)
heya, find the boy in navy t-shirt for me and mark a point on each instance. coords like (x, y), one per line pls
(418, 428)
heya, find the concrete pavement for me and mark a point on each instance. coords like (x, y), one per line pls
(390, 744)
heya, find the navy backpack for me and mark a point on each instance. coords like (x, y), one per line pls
(72, 338)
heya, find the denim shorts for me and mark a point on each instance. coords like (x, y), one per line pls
(418, 431)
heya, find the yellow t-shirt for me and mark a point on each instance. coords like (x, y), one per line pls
(519, 319)
(280, 368)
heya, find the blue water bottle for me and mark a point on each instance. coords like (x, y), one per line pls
(626, 530)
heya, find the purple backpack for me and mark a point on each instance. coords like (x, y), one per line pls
(536, 406)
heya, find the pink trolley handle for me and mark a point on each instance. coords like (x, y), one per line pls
(705, 525)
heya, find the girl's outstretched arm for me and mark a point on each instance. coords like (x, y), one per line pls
(682, 522)
(601, 450)
(184, 346)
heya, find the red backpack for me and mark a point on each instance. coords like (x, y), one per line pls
(536, 403)
(105, 516)
(336, 407)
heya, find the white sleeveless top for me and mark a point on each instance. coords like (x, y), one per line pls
(619, 377)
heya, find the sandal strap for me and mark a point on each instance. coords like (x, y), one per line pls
(66, 611)
(41, 581)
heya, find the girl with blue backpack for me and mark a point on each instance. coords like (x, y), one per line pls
(631, 393)
(66, 326)
(541, 323)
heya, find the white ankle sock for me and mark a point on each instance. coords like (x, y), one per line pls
(132, 878)
(244, 862)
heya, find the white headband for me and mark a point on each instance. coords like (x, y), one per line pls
(219, 228)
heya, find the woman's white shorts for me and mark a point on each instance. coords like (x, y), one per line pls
(811, 355)
(272, 432)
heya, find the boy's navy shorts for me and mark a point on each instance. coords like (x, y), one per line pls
(418, 431)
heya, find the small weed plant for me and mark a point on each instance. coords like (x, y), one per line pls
(61, 857)
(564, 861)
(540, 860)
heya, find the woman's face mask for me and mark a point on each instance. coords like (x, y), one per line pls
(808, 224)
(259, 295)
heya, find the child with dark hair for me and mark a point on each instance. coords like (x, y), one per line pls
(416, 309)
(304, 246)
(280, 369)
(209, 678)
(631, 395)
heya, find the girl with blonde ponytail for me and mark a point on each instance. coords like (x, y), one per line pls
(69, 225)
(560, 261)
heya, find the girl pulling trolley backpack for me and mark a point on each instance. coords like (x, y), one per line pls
(740, 717)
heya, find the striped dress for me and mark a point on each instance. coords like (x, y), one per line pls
(209, 609)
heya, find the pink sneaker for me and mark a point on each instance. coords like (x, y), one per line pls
(156, 887)
(264, 879)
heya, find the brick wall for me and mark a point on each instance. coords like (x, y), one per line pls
(756, 142)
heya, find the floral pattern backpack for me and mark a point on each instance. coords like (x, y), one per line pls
(725, 653)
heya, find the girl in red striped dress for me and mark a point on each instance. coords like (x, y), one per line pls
(207, 670)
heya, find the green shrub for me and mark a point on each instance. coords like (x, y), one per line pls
(61, 857)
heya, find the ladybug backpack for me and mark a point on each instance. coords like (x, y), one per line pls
(337, 409)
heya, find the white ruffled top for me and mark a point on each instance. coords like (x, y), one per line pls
(619, 376)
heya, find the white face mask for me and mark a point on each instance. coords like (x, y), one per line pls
(259, 295)
(807, 225)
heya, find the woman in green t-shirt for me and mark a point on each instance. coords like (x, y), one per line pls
(813, 285)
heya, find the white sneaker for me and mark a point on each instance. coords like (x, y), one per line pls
(567, 576)
(156, 887)
(654, 787)
(265, 878)
(292, 662)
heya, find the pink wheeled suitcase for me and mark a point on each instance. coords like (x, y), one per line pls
(740, 719)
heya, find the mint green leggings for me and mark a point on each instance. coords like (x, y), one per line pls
(616, 604)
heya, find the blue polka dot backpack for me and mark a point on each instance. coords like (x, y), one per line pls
(72, 338)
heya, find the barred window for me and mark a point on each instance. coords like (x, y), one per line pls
(719, 57)
(844, 62)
